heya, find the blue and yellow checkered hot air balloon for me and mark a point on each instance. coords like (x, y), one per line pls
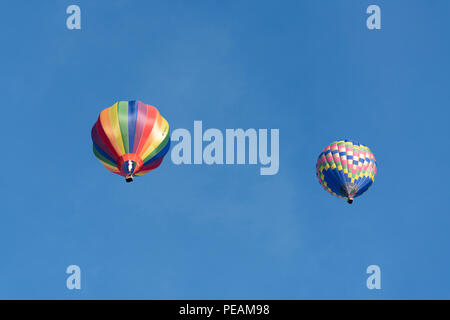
(346, 169)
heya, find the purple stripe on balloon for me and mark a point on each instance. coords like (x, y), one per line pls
(100, 143)
(140, 124)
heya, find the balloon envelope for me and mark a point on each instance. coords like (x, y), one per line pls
(130, 138)
(346, 169)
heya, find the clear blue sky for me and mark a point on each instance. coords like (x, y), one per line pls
(310, 68)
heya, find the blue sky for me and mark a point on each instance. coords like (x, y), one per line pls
(309, 68)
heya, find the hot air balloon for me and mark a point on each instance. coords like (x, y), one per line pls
(130, 138)
(346, 169)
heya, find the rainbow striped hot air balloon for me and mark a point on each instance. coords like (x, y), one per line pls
(130, 138)
(346, 169)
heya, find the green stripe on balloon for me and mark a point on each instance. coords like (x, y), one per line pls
(122, 110)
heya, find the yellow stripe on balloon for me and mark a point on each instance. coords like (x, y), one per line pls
(114, 116)
(110, 167)
(105, 121)
(157, 135)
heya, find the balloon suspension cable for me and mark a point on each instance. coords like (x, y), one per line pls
(129, 178)
(350, 200)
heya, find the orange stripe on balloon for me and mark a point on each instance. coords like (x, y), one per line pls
(157, 136)
(110, 167)
(149, 141)
(108, 129)
(115, 125)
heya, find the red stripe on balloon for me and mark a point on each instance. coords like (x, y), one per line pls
(140, 123)
(152, 113)
(104, 138)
